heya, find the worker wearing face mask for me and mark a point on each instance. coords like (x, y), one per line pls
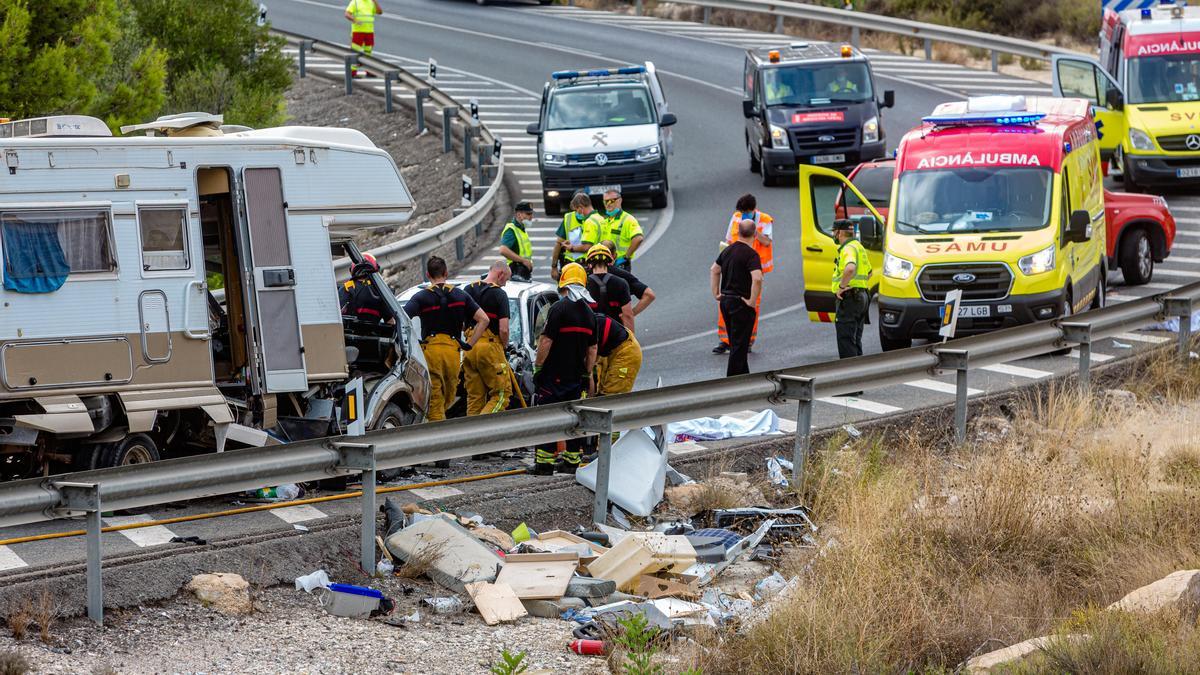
(515, 244)
(622, 228)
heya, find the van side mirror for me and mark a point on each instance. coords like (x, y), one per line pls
(1079, 227)
(668, 119)
(869, 232)
(748, 109)
(889, 99)
(534, 129)
(1114, 99)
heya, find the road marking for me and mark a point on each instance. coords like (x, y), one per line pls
(860, 404)
(1096, 356)
(9, 560)
(1190, 247)
(1017, 371)
(939, 386)
(1176, 273)
(436, 492)
(1143, 337)
(155, 535)
(299, 513)
(708, 333)
(1186, 261)
(684, 448)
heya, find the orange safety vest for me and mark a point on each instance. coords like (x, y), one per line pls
(765, 251)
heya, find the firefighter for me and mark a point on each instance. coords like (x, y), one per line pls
(443, 311)
(621, 227)
(360, 298)
(485, 368)
(577, 232)
(566, 355)
(747, 207)
(361, 15)
(622, 356)
(515, 244)
(644, 294)
(609, 291)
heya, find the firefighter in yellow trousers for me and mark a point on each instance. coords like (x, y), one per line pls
(485, 368)
(622, 356)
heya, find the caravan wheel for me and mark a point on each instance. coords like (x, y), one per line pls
(133, 449)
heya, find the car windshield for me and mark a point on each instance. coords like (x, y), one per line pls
(987, 199)
(817, 84)
(589, 107)
(514, 322)
(1164, 79)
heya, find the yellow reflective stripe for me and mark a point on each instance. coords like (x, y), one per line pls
(524, 246)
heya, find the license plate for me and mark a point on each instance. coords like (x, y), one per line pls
(601, 189)
(974, 311)
(1189, 172)
(828, 159)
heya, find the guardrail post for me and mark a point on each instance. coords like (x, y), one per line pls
(459, 248)
(361, 457)
(469, 132)
(388, 78)
(481, 155)
(639, 8)
(422, 94)
(957, 359)
(779, 24)
(1181, 308)
(85, 498)
(995, 61)
(854, 36)
(799, 389)
(447, 125)
(599, 422)
(707, 15)
(1081, 333)
(350, 61)
(305, 47)
(928, 49)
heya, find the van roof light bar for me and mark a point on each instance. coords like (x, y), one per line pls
(597, 72)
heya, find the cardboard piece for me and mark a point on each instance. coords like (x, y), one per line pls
(660, 587)
(500, 538)
(496, 602)
(463, 558)
(538, 576)
(638, 486)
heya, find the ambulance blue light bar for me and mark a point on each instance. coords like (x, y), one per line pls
(970, 119)
(598, 72)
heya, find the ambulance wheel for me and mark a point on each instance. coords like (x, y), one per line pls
(768, 178)
(755, 163)
(889, 344)
(1101, 298)
(1131, 185)
(133, 449)
(1137, 258)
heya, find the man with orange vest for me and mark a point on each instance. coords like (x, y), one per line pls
(747, 207)
(361, 15)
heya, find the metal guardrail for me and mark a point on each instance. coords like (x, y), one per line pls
(474, 135)
(858, 21)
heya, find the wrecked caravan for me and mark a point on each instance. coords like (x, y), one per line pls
(170, 292)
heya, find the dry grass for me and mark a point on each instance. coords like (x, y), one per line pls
(1117, 643)
(419, 564)
(45, 613)
(20, 616)
(943, 553)
(13, 663)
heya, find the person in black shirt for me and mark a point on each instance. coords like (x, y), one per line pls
(644, 294)
(736, 280)
(360, 298)
(566, 355)
(610, 292)
(485, 368)
(443, 311)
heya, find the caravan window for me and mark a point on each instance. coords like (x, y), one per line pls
(41, 248)
(164, 238)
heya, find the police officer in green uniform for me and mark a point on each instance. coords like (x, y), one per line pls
(515, 244)
(851, 277)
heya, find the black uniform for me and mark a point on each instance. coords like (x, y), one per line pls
(492, 299)
(636, 288)
(610, 293)
(610, 334)
(737, 261)
(443, 310)
(572, 327)
(360, 299)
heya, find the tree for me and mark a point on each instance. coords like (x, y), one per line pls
(57, 57)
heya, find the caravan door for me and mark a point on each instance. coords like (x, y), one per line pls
(274, 281)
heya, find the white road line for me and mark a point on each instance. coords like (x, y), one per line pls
(860, 404)
(9, 560)
(155, 535)
(299, 513)
(1178, 259)
(1160, 270)
(1017, 371)
(1190, 247)
(939, 386)
(436, 492)
(1117, 297)
(1096, 356)
(1142, 337)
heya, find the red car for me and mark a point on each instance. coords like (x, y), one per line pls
(1141, 228)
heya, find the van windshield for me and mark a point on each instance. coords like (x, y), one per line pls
(986, 199)
(599, 107)
(1164, 79)
(817, 84)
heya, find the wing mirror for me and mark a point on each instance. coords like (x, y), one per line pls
(534, 129)
(1114, 99)
(870, 232)
(748, 109)
(668, 119)
(889, 99)
(1079, 227)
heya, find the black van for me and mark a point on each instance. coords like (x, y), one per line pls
(810, 104)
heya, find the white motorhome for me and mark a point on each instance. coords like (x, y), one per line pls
(167, 292)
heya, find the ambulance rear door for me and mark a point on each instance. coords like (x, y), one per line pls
(820, 189)
(1081, 77)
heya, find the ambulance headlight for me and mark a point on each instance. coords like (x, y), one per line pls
(554, 159)
(1036, 263)
(871, 130)
(896, 268)
(779, 137)
(649, 153)
(1140, 140)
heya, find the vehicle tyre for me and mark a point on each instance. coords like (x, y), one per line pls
(553, 206)
(133, 449)
(768, 178)
(889, 344)
(659, 200)
(1068, 310)
(1100, 301)
(1137, 258)
(1131, 185)
(755, 163)
(394, 417)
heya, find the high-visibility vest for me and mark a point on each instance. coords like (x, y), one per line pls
(364, 15)
(765, 251)
(590, 231)
(852, 252)
(837, 88)
(621, 230)
(524, 246)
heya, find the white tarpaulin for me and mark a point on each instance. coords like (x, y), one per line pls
(718, 428)
(637, 477)
(1172, 324)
